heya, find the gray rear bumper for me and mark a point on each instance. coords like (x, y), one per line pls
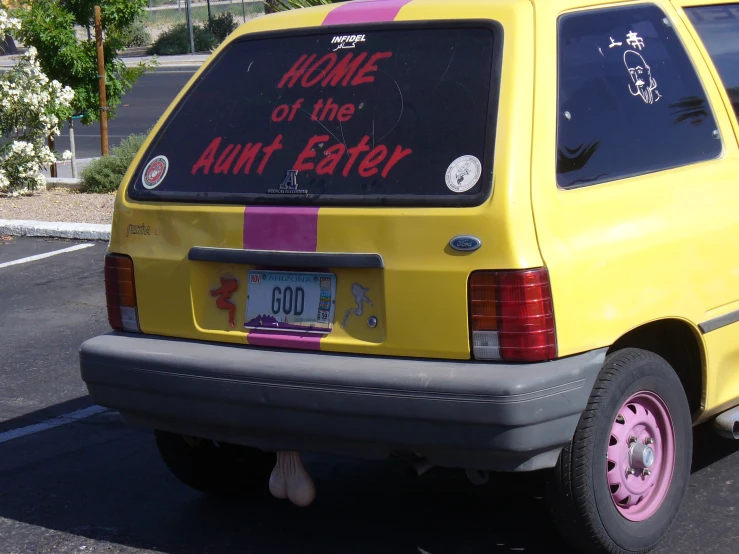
(458, 414)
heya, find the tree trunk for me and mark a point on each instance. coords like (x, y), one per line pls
(269, 6)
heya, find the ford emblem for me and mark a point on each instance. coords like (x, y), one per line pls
(465, 243)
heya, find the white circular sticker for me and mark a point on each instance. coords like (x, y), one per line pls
(463, 174)
(155, 172)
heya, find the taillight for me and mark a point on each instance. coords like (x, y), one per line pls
(512, 316)
(120, 293)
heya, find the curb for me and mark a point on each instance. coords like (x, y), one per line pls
(63, 183)
(54, 229)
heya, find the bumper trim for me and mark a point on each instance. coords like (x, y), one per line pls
(496, 416)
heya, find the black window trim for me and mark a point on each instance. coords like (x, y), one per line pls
(626, 176)
(400, 201)
(710, 62)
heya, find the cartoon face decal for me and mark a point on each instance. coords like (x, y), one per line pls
(642, 82)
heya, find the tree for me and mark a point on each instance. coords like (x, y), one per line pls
(48, 25)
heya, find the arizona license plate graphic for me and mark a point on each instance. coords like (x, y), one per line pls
(290, 301)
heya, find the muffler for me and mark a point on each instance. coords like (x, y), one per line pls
(727, 424)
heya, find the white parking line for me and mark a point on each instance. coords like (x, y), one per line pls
(47, 255)
(51, 423)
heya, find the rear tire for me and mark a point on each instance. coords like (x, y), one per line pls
(598, 504)
(213, 467)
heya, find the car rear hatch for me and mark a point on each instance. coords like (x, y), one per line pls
(305, 190)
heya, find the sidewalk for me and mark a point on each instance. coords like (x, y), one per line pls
(64, 169)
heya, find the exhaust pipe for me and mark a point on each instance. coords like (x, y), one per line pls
(477, 477)
(421, 467)
(727, 424)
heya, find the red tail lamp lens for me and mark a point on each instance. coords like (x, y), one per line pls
(512, 316)
(120, 293)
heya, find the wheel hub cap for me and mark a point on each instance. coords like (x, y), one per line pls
(641, 456)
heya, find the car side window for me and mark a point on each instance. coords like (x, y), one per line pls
(718, 27)
(630, 101)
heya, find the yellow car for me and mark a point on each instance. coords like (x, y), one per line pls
(489, 235)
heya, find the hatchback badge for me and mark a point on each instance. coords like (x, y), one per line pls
(465, 243)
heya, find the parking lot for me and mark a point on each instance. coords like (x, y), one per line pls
(74, 478)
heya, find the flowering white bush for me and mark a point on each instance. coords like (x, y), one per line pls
(31, 108)
(7, 24)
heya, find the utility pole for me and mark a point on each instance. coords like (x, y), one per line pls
(189, 26)
(101, 83)
(72, 147)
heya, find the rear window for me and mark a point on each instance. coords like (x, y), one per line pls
(392, 117)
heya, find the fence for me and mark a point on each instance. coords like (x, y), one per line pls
(165, 13)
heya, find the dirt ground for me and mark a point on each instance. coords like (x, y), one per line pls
(59, 205)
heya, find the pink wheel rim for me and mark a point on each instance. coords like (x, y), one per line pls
(641, 456)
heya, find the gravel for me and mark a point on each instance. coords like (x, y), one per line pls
(59, 205)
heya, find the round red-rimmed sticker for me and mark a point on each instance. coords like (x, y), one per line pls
(155, 172)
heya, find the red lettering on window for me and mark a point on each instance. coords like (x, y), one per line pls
(248, 156)
(346, 112)
(316, 108)
(295, 107)
(302, 163)
(398, 155)
(364, 74)
(226, 159)
(344, 70)
(368, 167)
(280, 113)
(207, 157)
(317, 72)
(296, 71)
(328, 164)
(354, 153)
(268, 151)
(329, 110)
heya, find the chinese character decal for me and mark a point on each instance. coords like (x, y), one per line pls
(634, 40)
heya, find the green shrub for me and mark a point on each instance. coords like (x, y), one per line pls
(134, 35)
(105, 174)
(176, 40)
(221, 25)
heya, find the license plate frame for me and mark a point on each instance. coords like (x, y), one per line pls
(261, 301)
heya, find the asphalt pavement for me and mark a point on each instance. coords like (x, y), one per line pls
(139, 111)
(75, 478)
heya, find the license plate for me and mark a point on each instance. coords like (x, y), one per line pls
(290, 301)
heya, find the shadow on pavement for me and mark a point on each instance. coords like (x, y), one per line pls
(103, 480)
(709, 448)
(45, 414)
